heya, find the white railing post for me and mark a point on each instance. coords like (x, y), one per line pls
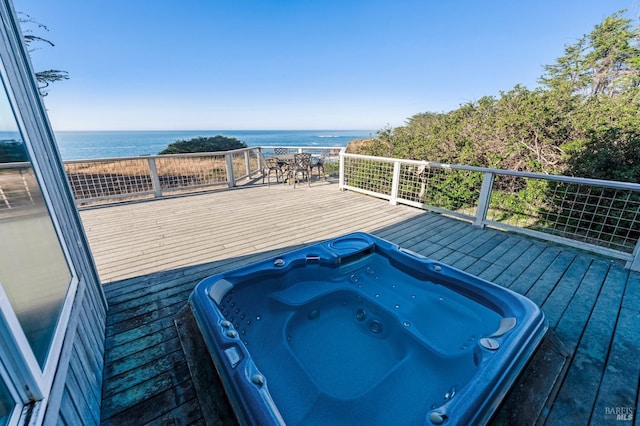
(395, 183)
(247, 164)
(155, 179)
(634, 263)
(341, 171)
(231, 178)
(259, 155)
(483, 200)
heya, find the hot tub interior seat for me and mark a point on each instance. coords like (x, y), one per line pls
(358, 331)
(339, 351)
(440, 317)
(349, 342)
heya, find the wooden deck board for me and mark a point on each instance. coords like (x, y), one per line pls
(150, 255)
(478, 267)
(530, 274)
(496, 239)
(589, 359)
(559, 298)
(205, 234)
(505, 276)
(571, 326)
(501, 249)
(470, 241)
(621, 379)
(553, 273)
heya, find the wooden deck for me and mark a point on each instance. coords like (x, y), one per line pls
(150, 255)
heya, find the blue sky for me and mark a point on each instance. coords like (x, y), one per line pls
(294, 64)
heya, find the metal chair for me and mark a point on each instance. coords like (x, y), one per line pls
(301, 165)
(268, 165)
(280, 151)
(319, 164)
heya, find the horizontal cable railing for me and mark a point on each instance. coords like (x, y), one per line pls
(596, 215)
(109, 179)
(127, 178)
(330, 152)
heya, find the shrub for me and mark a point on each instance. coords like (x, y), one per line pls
(204, 144)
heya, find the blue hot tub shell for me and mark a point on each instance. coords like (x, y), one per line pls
(357, 330)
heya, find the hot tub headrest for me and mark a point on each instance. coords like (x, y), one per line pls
(351, 244)
(219, 289)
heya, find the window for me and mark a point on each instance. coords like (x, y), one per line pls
(33, 270)
(37, 278)
(7, 403)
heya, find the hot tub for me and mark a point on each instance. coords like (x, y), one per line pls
(356, 330)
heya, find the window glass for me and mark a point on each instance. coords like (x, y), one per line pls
(33, 269)
(6, 403)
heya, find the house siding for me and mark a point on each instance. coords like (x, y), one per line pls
(78, 382)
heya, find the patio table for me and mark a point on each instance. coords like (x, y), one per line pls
(286, 160)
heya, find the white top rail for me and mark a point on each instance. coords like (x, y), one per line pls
(557, 178)
(305, 147)
(17, 164)
(204, 154)
(144, 157)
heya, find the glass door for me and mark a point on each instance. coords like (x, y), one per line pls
(37, 281)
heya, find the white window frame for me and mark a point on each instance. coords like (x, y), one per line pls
(46, 375)
(19, 368)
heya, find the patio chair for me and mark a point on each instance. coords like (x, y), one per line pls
(301, 165)
(269, 165)
(319, 164)
(280, 151)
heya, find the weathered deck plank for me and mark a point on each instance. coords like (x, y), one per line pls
(621, 378)
(238, 223)
(590, 357)
(522, 283)
(152, 254)
(505, 276)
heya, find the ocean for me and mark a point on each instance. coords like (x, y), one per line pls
(79, 145)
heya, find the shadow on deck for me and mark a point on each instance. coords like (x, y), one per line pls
(591, 303)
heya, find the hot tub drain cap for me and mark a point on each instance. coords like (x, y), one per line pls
(489, 343)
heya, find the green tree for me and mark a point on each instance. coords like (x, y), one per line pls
(204, 144)
(606, 142)
(520, 130)
(32, 41)
(604, 62)
(583, 121)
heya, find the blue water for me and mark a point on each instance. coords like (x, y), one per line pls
(334, 349)
(363, 338)
(75, 145)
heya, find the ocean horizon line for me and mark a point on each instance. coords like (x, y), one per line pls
(212, 130)
(91, 144)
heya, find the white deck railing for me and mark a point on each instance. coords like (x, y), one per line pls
(595, 215)
(152, 176)
(158, 175)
